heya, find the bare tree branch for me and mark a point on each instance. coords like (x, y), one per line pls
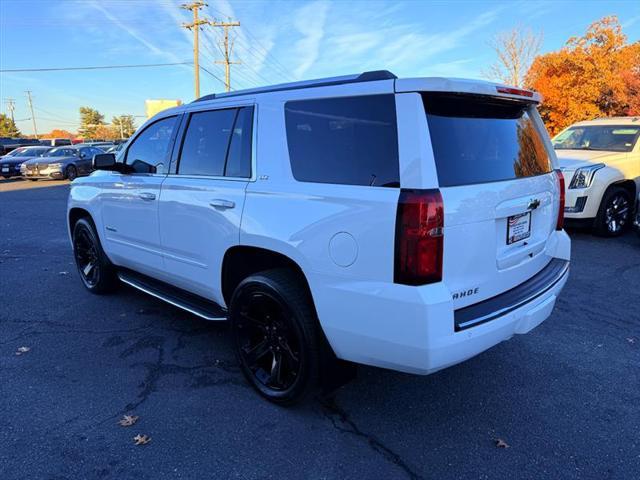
(516, 50)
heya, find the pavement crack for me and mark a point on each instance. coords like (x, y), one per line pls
(341, 422)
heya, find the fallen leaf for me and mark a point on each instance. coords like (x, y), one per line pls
(128, 420)
(501, 443)
(141, 439)
(22, 350)
(631, 340)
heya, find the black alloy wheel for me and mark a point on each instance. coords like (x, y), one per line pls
(614, 215)
(71, 173)
(95, 269)
(276, 336)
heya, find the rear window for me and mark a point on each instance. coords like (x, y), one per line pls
(348, 140)
(479, 140)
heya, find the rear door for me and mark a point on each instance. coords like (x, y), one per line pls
(202, 199)
(494, 168)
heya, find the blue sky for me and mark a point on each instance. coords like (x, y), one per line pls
(279, 40)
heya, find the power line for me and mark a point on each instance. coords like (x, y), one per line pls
(284, 71)
(101, 67)
(212, 74)
(58, 118)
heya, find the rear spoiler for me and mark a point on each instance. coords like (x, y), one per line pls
(460, 85)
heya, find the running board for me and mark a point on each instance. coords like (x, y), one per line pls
(177, 297)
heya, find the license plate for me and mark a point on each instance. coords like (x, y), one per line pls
(5, 169)
(518, 227)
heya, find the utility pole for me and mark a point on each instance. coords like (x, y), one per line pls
(11, 107)
(227, 50)
(195, 8)
(33, 116)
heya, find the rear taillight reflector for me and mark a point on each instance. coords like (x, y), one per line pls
(419, 237)
(560, 222)
(515, 91)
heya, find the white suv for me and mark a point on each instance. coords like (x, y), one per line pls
(403, 223)
(601, 162)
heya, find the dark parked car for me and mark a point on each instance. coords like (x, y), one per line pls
(61, 162)
(104, 146)
(10, 163)
(7, 143)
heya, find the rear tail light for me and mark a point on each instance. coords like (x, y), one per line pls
(560, 221)
(419, 237)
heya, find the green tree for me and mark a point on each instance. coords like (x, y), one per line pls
(124, 125)
(8, 127)
(90, 120)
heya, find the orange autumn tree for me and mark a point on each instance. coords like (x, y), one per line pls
(58, 133)
(596, 75)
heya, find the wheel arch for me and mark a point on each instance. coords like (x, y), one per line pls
(628, 185)
(75, 214)
(240, 261)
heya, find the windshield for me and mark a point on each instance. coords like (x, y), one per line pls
(610, 138)
(478, 140)
(62, 152)
(15, 153)
(29, 152)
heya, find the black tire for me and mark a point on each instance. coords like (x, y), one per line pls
(97, 273)
(274, 326)
(615, 212)
(71, 172)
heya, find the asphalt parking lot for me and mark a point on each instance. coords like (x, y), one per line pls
(565, 398)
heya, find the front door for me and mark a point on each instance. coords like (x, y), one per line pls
(201, 203)
(130, 201)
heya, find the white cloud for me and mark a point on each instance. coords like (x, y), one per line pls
(310, 22)
(631, 21)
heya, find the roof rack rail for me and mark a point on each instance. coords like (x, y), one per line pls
(321, 82)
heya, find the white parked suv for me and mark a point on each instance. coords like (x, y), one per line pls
(402, 223)
(600, 160)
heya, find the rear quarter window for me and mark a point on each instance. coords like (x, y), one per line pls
(347, 140)
(480, 139)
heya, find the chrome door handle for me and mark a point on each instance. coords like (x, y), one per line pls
(219, 203)
(147, 196)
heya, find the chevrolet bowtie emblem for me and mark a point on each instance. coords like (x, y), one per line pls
(533, 204)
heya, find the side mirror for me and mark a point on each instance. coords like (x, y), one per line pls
(104, 161)
(140, 166)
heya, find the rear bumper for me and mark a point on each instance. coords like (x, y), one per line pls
(413, 329)
(523, 294)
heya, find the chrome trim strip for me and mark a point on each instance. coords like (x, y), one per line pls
(171, 302)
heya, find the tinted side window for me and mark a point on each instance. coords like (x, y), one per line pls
(206, 141)
(350, 140)
(152, 145)
(239, 156)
